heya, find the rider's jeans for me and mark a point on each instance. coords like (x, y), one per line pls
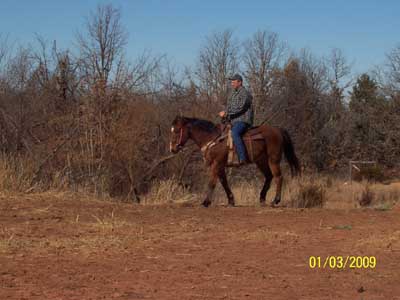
(238, 129)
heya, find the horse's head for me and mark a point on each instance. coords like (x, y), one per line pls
(180, 132)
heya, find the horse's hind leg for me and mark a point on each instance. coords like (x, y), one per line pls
(264, 168)
(224, 182)
(276, 172)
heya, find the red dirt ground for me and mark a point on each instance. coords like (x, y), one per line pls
(63, 247)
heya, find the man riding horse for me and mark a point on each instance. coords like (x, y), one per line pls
(239, 111)
(266, 144)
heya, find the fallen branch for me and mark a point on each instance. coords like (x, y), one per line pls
(151, 170)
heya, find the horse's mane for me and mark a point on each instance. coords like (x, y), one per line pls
(201, 124)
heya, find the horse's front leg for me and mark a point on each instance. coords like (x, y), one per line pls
(224, 182)
(213, 173)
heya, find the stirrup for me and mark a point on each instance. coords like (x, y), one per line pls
(237, 163)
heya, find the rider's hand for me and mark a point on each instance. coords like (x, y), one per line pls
(222, 114)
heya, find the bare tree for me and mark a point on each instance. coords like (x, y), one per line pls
(338, 66)
(102, 45)
(42, 61)
(141, 76)
(263, 54)
(393, 64)
(315, 69)
(218, 59)
(338, 70)
(18, 77)
(338, 73)
(4, 50)
(66, 75)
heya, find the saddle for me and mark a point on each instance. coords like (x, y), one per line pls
(248, 137)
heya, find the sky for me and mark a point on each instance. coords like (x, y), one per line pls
(365, 30)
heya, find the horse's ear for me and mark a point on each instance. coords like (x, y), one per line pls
(179, 119)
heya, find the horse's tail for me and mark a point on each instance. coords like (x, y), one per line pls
(288, 149)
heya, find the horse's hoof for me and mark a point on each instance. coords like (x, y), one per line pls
(263, 204)
(206, 203)
(231, 204)
(276, 201)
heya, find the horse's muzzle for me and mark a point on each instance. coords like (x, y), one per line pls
(175, 149)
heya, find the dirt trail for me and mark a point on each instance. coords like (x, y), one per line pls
(61, 247)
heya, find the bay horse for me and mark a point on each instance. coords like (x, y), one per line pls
(266, 153)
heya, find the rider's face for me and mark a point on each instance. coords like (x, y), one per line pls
(235, 84)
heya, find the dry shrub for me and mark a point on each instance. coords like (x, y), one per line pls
(306, 192)
(366, 196)
(370, 173)
(136, 140)
(329, 182)
(18, 174)
(167, 192)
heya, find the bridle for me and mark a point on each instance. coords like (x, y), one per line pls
(179, 144)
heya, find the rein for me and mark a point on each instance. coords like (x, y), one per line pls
(212, 143)
(208, 145)
(180, 137)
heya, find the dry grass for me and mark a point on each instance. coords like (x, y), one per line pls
(356, 194)
(84, 234)
(108, 224)
(336, 193)
(385, 241)
(7, 240)
(246, 194)
(83, 244)
(167, 192)
(15, 174)
(263, 234)
(304, 192)
(301, 192)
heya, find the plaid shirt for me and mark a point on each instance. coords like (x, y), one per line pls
(240, 106)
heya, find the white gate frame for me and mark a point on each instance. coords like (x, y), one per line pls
(353, 165)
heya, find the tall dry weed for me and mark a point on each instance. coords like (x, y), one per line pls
(16, 173)
(167, 192)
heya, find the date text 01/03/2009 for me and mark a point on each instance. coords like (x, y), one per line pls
(342, 262)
